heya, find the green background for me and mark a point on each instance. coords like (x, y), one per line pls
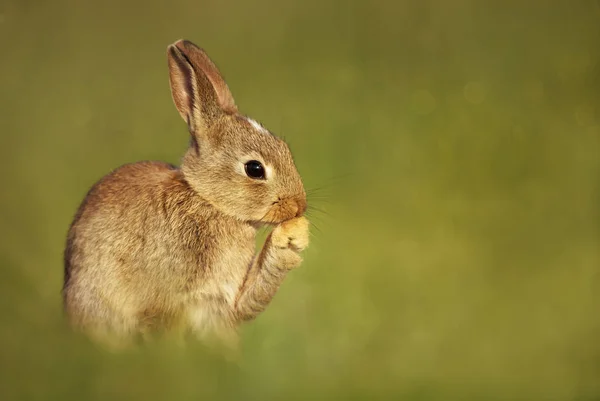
(455, 146)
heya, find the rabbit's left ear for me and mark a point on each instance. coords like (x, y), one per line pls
(199, 91)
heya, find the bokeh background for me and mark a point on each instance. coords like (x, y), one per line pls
(454, 149)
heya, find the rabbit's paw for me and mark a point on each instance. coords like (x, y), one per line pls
(291, 234)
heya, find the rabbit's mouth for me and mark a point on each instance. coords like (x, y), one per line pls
(285, 209)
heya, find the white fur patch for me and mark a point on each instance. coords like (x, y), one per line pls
(229, 291)
(256, 125)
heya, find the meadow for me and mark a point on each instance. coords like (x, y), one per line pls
(453, 150)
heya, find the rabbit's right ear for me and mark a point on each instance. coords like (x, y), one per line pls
(198, 89)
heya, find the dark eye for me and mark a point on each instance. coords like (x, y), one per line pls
(254, 169)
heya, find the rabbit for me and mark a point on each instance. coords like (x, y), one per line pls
(155, 247)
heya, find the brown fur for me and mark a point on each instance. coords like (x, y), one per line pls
(155, 247)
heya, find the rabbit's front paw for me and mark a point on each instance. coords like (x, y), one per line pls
(287, 241)
(291, 234)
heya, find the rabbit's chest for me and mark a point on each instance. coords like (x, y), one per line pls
(228, 272)
(210, 299)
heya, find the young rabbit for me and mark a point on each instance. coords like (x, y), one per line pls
(154, 246)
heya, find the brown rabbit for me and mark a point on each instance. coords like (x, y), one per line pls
(154, 246)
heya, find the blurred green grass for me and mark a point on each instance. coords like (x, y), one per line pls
(457, 148)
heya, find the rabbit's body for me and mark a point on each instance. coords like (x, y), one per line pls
(154, 270)
(155, 246)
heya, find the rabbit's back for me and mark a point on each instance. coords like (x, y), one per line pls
(142, 247)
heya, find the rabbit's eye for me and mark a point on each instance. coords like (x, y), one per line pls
(254, 169)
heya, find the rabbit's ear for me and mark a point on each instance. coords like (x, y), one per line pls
(199, 92)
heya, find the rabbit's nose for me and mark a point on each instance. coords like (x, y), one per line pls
(301, 206)
(292, 208)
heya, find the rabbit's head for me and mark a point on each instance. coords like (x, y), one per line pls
(233, 162)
